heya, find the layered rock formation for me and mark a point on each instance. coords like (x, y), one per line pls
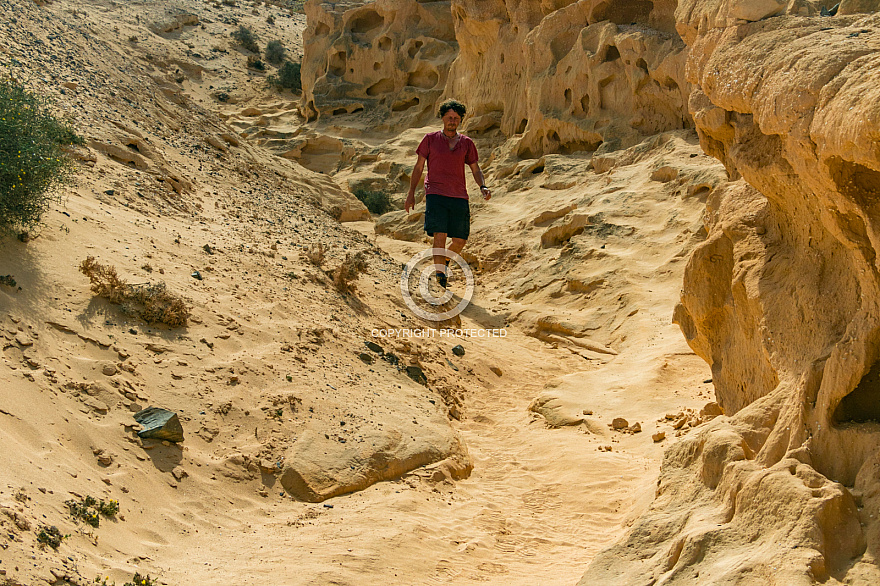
(781, 300)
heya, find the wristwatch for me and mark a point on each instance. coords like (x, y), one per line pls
(483, 187)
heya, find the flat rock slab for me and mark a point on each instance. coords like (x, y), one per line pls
(160, 424)
(317, 468)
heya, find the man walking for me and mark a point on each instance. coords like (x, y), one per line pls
(447, 213)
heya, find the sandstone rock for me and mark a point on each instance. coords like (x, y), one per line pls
(619, 423)
(556, 412)
(402, 226)
(317, 468)
(109, 369)
(659, 436)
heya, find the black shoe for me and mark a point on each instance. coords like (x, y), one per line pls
(441, 279)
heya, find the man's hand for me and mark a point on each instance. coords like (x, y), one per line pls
(485, 193)
(410, 202)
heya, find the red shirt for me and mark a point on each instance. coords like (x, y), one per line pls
(446, 168)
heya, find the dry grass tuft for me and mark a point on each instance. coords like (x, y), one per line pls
(347, 273)
(152, 303)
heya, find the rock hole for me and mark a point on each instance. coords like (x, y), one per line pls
(856, 182)
(322, 30)
(567, 95)
(538, 170)
(402, 105)
(670, 84)
(642, 64)
(578, 146)
(521, 127)
(384, 44)
(863, 403)
(337, 64)
(358, 109)
(376, 66)
(423, 77)
(414, 48)
(365, 23)
(501, 59)
(339, 111)
(611, 54)
(633, 11)
(585, 104)
(383, 86)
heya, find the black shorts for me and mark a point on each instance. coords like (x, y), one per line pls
(449, 215)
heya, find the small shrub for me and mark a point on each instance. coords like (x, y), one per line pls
(376, 200)
(89, 509)
(254, 62)
(138, 580)
(315, 254)
(348, 271)
(152, 302)
(51, 536)
(246, 38)
(275, 52)
(32, 162)
(288, 77)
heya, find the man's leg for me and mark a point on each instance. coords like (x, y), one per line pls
(439, 259)
(457, 245)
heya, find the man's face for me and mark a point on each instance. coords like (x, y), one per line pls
(451, 120)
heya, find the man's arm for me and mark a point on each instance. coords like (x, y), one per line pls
(478, 177)
(414, 183)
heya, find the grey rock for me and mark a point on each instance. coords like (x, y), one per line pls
(458, 350)
(159, 424)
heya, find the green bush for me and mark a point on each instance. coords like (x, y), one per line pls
(246, 38)
(376, 200)
(275, 52)
(32, 162)
(288, 77)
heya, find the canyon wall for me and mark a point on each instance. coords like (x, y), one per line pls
(782, 297)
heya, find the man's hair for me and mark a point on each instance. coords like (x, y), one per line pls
(454, 105)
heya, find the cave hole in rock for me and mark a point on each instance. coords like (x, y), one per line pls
(337, 63)
(521, 127)
(856, 182)
(611, 54)
(501, 59)
(626, 12)
(322, 30)
(585, 104)
(383, 86)
(365, 23)
(358, 109)
(670, 84)
(863, 403)
(414, 48)
(561, 44)
(423, 78)
(377, 66)
(642, 64)
(401, 105)
(339, 111)
(384, 44)
(578, 146)
(567, 96)
(133, 146)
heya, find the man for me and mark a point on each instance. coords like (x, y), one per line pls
(447, 213)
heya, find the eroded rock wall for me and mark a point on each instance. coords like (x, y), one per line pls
(782, 301)
(387, 60)
(558, 75)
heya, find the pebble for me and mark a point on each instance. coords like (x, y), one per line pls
(109, 369)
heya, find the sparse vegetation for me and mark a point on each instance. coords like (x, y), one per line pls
(347, 273)
(89, 509)
(246, 38)
(255, 62)
(376, 200)
(315, 254)
(32, 162)
(50, 535)
(136, 580)
(288, 77)
(151, 302)
(275, 52)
